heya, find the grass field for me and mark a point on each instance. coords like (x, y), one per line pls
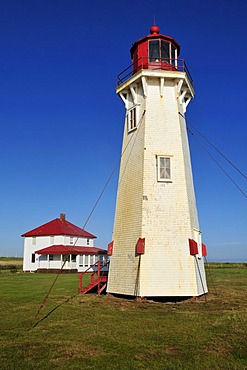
(11, 263)
(103, 332)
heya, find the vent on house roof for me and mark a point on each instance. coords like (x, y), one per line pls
(62, 216)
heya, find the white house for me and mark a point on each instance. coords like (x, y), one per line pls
(57, 244)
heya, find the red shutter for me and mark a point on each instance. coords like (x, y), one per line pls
(193, 247)
(110, 248)
(204, 250)
(140, 246)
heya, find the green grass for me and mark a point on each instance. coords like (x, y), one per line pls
(103, 332)
(11, 263)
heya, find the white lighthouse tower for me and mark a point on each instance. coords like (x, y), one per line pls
(157, 249)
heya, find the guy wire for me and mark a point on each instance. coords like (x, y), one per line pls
(90, 214)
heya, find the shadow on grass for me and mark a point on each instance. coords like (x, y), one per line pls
(51, 311)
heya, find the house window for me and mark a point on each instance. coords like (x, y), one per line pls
(91, 260)
(73, 257)
(34, 240)
(132, 123)
(52, 239)
(65, 257)
(86, 260)
(33, 258)
(71, 240)
(103, 259)
(164, 168)
(87, 241)
(80, 260)
(51, 257)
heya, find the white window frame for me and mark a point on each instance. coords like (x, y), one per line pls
(132, 118)
(34, 240)
(52, 239)
(71, 240)
(159, 177)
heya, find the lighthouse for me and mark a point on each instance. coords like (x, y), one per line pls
(157, 248)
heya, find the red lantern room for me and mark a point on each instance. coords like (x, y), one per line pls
(155, 51)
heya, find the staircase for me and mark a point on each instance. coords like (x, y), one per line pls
(98, 278)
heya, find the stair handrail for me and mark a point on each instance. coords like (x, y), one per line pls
(81, 274)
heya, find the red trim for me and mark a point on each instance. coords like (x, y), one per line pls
(110, 248)
(193, 247)
(153, 37)
(204, 250)
(140, 246)
(70, 249)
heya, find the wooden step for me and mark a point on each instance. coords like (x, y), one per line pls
(102, 279)
(89, 287)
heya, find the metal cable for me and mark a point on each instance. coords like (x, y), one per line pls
(113, 171)
(245, 195)
(203, 146)
(213, 146)
(90, 214)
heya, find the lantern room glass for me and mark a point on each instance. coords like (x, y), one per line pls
(161, 51)
(154, 51)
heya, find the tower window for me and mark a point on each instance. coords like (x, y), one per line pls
(161, 51)
(154, 51)
(71, 240)
(132, 124)
(164, 168)
(165, 54)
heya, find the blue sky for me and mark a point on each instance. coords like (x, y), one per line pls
(61, 121)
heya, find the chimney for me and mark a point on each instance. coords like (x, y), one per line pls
(62, 216)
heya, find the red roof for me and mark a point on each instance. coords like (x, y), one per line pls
(59, 227)
(70, 249)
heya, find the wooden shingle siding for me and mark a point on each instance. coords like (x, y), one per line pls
(164, 213)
